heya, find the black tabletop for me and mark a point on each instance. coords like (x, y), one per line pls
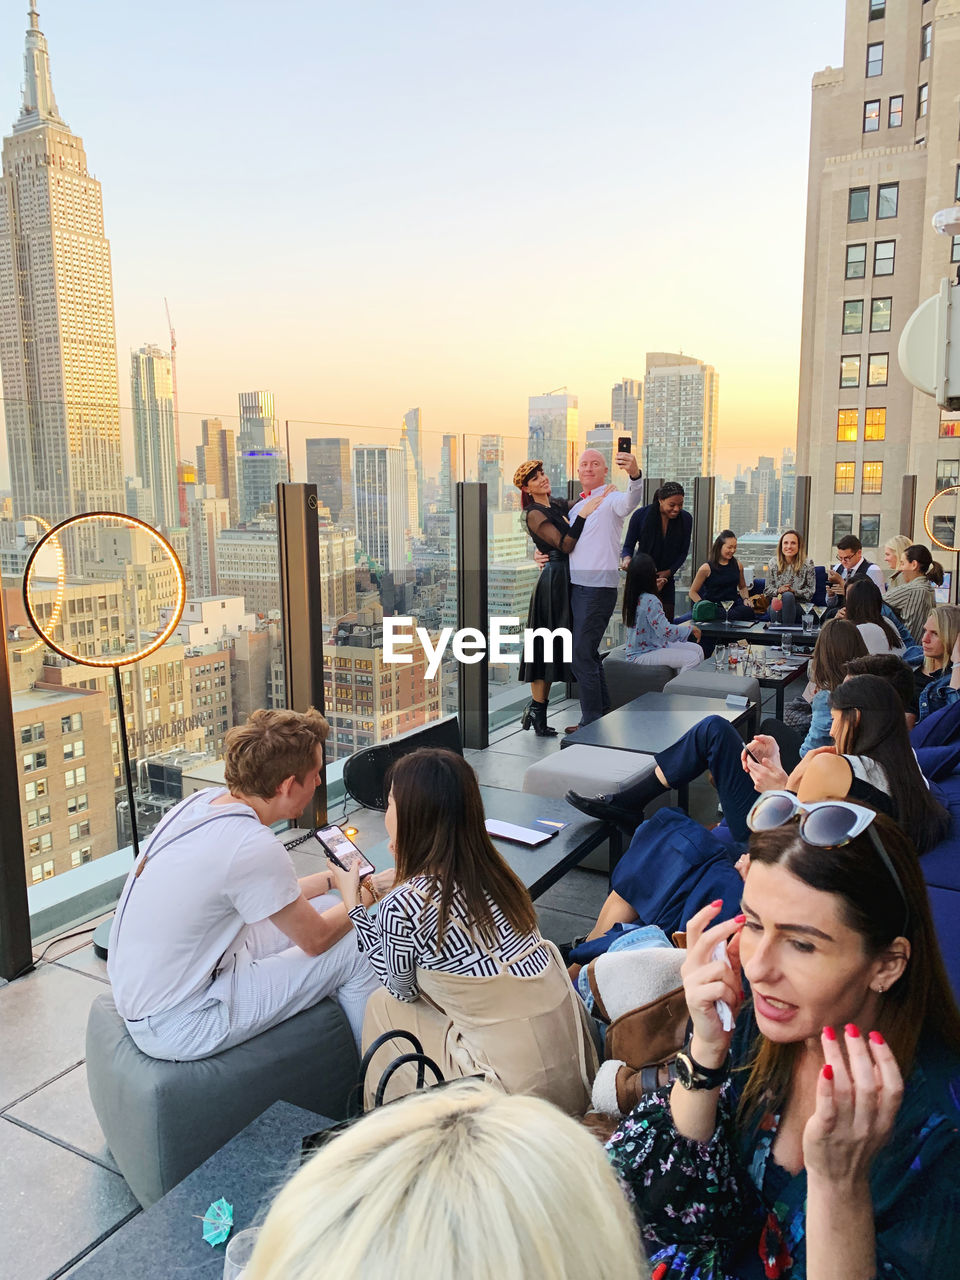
(541, 867)
(165, 1242)
(795, 667)
(654, 721)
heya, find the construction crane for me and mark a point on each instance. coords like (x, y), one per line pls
(556, 390)
(181, 487)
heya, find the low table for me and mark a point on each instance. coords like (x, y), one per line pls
(543, 866)
(166, 1240)
(754, 633)
(778, 681)
(655, 721)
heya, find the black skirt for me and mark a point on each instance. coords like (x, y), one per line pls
(550, 608)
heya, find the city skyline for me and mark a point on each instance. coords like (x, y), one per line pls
(460, 270)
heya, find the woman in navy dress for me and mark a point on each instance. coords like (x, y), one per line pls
(663, 531)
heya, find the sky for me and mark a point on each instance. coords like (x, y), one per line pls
(368, 206)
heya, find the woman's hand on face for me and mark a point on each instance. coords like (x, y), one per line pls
(857, 1104)
(705, 981)
(347, 882)
(594, 501)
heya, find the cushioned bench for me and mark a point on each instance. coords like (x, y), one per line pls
(589, 770)
(627, 680)
(162, 1119)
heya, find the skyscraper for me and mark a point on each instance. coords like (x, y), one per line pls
(788, 487)
(258, 426)
(449, 473)
(151, 392)
(58, 353)
(490, 469)
(883, 158)
(380, 504)
(328, 467)
(411, 485)
(553, 434)
(217, 463)
(412, 422)
(680, 396)
(625, 401)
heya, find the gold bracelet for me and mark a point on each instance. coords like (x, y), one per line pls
(367, 883)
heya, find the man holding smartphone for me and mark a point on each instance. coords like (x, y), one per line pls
(215, 939)
(594, 575)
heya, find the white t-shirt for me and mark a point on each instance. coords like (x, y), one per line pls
(187, 913)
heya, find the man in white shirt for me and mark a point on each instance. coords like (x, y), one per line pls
(850, 564)
(215, 939)
(595, 573)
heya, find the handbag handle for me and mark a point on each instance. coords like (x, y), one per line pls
(367, 1058)
(421, 1059)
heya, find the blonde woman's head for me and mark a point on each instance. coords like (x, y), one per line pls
(453, 1183)
(893, 550)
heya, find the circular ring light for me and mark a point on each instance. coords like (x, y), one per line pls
(945, 546)
(118, 660)
(61, 581)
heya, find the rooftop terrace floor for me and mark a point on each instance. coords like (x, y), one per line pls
(60, 1191)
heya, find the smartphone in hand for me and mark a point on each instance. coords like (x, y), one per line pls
(751, 755)
(341, 850)
(623, 444)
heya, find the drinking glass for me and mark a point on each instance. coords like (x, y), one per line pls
(807, 610)
(786, 644)
(720, 657)
(239, 1252)
(819, 610)
(726, 606)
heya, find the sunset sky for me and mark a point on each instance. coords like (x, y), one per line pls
(364, 207)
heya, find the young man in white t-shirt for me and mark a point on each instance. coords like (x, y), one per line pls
(215, 939)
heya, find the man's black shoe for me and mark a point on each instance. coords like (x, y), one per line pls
(604, 809)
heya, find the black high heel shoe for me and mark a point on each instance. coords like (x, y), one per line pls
(535, 714)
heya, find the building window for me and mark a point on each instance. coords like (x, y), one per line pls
(949, 430)
(884, 252)
(73, 750)
(877, 369)
(875, 59)
(870, 531)
(34, 760)
(880, 312)
(853, 316)
(858, 204)
(875, 424)
(856, 261)
(872, 477)
(71, 724)
(844, 477)
(888, 197)
(849, 371)
(77, 803)
(955, 249)
(895, 112)
(32, 733)
(871, 116)
(842, 525)
(948, 473)
(48, 870)
(926, 38)
(848, 420)
(877, 9)
(923, 99)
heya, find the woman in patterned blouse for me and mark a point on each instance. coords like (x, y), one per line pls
(792, 577)
(457, 949)
(650, 638)
(818, 1137)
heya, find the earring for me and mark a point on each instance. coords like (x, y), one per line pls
(879, 990)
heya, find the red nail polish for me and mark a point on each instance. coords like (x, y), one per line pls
(718, 903)
(827, 1071)
(876, 1038)
(739, 919)
(852, 1030)
(829, 1033)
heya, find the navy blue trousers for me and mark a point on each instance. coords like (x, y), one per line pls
(592, 608)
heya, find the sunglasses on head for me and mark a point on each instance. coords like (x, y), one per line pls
(825, 824)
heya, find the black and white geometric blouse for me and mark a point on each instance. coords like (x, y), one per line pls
(404, 935)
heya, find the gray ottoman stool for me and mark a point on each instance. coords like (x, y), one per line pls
(162, 1119)
(589, 770)
(628, 680)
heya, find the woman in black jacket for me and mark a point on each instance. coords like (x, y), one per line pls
(663, 531)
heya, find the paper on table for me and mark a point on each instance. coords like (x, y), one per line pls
(724, 1013)
(520, 835)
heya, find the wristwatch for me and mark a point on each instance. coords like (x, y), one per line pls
(694, 1076)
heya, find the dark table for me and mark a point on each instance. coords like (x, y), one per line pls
(754, 632)
(777, 681)
(165, 1242)
(541, 867)
(655, 721)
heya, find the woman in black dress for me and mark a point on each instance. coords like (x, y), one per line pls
(663, 531)
(546, 521)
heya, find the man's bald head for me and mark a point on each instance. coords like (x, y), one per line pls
(592, 469)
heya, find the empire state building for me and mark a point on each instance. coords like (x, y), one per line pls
(58, 352)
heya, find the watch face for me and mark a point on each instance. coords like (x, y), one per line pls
(684, 1070)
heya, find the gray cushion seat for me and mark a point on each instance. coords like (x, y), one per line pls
(589, 770)
(163, 1119)
(627, 680)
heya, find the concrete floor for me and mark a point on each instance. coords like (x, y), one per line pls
(59, 1188)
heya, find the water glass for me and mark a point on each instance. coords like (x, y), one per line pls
(808, 623)
(786, 645)
(239, 1252)
(720, 657)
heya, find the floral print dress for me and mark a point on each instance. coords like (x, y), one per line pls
(725, 1210)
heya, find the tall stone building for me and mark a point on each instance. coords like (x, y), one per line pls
(680, 408)
(328, 467)
(217, 463)
(58, 352)
(553, 434)
(884, 157)
(151, 395)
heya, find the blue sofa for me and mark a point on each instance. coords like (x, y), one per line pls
(936, 741)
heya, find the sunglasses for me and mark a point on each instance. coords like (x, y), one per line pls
(825, 824)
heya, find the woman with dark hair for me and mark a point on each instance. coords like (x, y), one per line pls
(545, 519)
(547, 524)
(650, 638)
(661, 530)
(815, 1132)
(913, 596)
(863, 606)
(457, 949)
(792, 578)
(837, 644)
(721, 578)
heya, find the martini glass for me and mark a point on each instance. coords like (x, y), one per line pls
(726, 606)
(819, 610)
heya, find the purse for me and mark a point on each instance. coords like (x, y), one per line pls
(761, 603)
(704, 611)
